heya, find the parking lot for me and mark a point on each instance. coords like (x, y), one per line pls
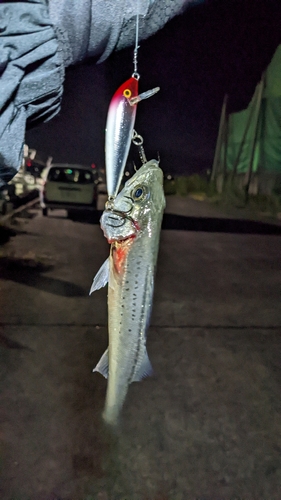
(207, 426)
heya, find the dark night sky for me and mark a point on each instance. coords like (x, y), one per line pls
(218, 47)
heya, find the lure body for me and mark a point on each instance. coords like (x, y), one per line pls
(132, 227)
(119, 130)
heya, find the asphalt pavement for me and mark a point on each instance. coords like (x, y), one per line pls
(207, 426)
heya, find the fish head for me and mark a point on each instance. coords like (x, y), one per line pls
(138, 207)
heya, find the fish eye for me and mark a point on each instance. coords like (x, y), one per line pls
(138, 193)
(127, 93)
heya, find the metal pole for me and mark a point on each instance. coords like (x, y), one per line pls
(225, 142)
(250, 170)
(219, 139)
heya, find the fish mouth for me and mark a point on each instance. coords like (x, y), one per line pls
(118, 226)
(121, 240)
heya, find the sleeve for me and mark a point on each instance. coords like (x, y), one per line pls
(39, 38)
(31, 76)
(158, 14)
(97, 27)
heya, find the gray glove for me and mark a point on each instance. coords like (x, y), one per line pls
(39, 39)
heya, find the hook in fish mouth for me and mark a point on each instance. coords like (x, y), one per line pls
(114, 220)
(124, 215)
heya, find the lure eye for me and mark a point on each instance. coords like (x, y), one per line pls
(138, 193)
(127, 93)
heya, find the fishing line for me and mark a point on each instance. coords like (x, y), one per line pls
(135, 58)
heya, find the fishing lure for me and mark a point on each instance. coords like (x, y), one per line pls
(119, 130)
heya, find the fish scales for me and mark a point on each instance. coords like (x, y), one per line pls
(127, 329)
(132, 225)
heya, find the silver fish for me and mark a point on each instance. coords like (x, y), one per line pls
(131, 223)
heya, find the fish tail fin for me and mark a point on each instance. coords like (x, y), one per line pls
(111, 417)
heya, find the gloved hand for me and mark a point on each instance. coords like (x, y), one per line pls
(38, 39)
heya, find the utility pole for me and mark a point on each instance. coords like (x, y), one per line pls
(255, 136)
(220, 139)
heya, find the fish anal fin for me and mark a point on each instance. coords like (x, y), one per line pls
(102, 366)
(145, 369)
(101, 278)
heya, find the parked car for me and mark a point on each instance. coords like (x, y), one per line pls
(67, 186)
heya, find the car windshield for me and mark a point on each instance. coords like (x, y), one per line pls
(70, 175)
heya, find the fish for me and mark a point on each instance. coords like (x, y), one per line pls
(131, 223)
(120, 123)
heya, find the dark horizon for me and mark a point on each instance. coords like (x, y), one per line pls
(219, 47)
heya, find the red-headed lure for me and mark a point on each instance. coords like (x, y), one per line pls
(119, 130)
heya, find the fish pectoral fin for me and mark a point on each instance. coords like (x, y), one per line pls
(145, 369)
(102, 366)
(101, 278)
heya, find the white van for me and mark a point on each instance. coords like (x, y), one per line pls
(69, 187)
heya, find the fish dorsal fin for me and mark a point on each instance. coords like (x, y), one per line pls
(145, 369)
(102, 366)
(101, 278)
